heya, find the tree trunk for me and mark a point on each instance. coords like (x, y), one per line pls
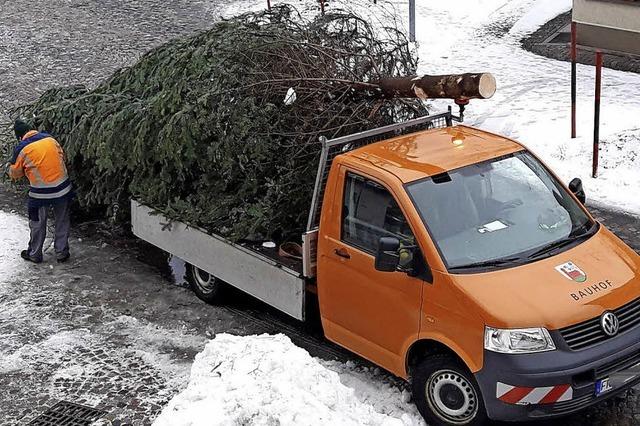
(452, 86)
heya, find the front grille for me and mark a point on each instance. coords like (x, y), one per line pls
(566, 407)
(618, 365)
(590, 333)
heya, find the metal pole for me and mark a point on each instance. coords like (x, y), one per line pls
(412, 20)
(322, 6)
(269, 4)
(573, 78)
(596, 125)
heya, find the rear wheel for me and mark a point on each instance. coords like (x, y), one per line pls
(205, 285)
(445, 392)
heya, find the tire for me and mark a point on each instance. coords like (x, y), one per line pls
(206, 286)
(446, 393)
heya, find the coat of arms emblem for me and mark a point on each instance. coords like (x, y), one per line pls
(572, 272)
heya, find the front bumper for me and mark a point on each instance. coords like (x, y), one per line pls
(549, 373)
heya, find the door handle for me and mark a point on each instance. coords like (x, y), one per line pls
(342, 252)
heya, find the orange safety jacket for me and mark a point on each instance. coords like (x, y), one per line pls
(40, 158)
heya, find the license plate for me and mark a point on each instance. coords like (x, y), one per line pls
(617, 379)
(603, 386)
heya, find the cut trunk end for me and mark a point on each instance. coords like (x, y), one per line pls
(487, 86)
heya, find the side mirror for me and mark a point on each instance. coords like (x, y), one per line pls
(387, 257)
(575, 186)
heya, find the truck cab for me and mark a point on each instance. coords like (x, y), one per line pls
(453, 257)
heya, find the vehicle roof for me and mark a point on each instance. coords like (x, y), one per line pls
(431, 152)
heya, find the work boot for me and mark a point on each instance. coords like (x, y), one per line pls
(25, 255)
(63, 258)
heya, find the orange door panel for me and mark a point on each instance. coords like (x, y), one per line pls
(375, 314)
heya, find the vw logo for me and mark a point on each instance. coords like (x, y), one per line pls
(609, 323)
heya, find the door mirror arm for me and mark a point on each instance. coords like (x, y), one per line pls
(407, 260)
(420, 268)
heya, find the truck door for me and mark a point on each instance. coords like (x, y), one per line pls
(372, 313)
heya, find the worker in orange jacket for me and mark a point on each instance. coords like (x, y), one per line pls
(40, 158)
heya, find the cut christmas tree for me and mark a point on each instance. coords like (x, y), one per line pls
(221, 130)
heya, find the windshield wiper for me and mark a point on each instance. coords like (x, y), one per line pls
(490, 263)
(578, 233)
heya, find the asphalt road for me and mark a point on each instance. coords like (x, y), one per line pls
(50, 43)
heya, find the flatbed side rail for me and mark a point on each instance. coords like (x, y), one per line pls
(238, 266)
(331, 148)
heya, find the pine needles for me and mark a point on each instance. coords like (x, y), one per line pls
(199, 127)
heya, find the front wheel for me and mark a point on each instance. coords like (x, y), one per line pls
(205, 285)
(445, 392)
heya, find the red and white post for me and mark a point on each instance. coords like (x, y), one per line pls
(574, 55)
(596, 118)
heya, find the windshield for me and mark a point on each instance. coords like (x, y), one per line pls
(504, 211)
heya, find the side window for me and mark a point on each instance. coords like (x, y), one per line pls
(369, 212)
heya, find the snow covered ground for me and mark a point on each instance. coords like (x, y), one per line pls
(266, 380)
(532, 103)
(63, 335)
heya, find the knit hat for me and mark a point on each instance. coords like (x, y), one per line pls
(21, 128)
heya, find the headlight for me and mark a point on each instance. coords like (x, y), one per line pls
(518, 341)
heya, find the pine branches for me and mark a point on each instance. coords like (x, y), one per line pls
(199, 128)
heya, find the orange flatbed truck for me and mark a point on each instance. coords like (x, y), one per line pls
(455, 259)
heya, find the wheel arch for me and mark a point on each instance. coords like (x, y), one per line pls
(432, 345)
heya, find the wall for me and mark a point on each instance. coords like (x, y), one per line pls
(618, 14)
(608, 24)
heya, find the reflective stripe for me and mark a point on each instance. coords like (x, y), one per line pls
(33, 172)
(52, 184)
(515, 395)
(51, 187)
(51, 196)
(502, 389)
(32, 169)
(560, 393)
(537, 394)
(55, 189)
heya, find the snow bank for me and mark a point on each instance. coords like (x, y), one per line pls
(15, 237)
(267, 380)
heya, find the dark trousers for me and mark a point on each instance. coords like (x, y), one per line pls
(38, 226)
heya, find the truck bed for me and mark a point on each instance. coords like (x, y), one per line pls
(257, 271)
(272, 253)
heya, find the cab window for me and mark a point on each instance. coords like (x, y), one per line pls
(369, 212)
(499, 213)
